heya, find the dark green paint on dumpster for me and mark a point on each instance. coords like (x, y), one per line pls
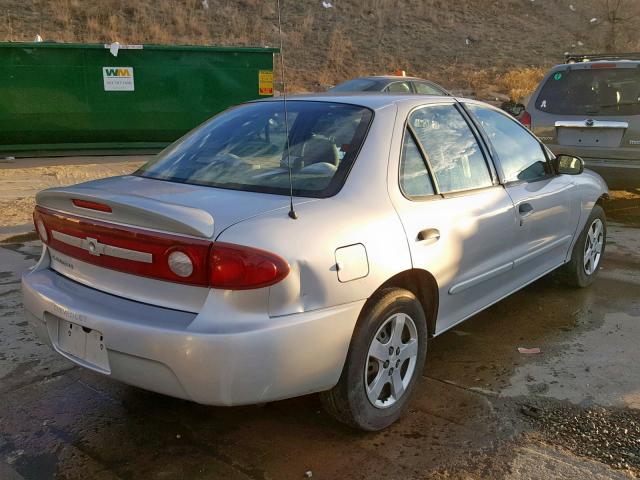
(53, 95)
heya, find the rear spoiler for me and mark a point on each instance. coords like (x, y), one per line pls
(129, 209)
(592, 57)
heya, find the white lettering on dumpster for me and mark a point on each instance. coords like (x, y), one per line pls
(118, 79)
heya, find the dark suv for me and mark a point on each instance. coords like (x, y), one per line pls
(592, 109)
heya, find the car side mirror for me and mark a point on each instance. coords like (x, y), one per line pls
(512, 108)
(569, 165)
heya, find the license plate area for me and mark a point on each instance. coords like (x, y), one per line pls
(590, 137)
(84, 345)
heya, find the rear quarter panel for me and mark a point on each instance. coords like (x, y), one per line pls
(361, 213)
(309, 245)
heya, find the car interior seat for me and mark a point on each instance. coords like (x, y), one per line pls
(318, 149)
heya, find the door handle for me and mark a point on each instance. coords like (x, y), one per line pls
(525, 209)
(428, 234)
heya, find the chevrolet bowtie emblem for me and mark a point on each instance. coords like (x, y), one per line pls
(589, 122)
(94, 247)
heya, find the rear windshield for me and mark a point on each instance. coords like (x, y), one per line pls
(605, 91)
(358, 85)
(245, 149)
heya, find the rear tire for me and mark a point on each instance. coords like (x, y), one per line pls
(588, 251)
(385, 358)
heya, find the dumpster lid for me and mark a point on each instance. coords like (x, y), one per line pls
(209, 48)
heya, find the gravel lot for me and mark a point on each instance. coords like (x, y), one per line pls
(22, 178)
(481, 410)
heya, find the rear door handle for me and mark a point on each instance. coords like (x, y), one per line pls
(428, 234)
(525, 209)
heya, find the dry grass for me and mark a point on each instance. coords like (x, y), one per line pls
(519, 82)
(159, 21)
(512, 41)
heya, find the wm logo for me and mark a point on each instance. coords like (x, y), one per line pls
(117, 72)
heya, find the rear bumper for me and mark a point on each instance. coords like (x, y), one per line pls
(620, 173)
(156, 349)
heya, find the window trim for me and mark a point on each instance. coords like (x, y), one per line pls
(494, 153)
(483, 142)
(427, 165)
(438, 193)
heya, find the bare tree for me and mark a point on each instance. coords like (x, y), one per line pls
(618, 14)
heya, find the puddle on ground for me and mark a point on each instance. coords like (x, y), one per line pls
(599, 366)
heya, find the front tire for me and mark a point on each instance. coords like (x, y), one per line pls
(385, 358)
(582, 269)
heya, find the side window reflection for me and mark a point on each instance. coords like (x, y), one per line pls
(452, 150)
(519, 153)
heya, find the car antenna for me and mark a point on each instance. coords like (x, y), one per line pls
(292, 212)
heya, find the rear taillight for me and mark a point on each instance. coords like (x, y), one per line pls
(40, 228)
(525, 119)
(238, 267)
(162, 256)
(180, 263)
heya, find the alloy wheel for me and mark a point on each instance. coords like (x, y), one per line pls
(593, 246)
(391, 360)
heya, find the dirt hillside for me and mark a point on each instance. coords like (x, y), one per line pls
(475, 46)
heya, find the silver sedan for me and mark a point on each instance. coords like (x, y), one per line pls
(273, 253)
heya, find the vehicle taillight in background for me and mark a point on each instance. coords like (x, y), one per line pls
(162, 256)
(525, 119)
(603, 65)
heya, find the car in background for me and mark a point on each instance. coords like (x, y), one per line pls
(194, 276)
(390, 84)
(591, 108)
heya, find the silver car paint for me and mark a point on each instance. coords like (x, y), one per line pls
(131, 209)
(187, 298)
(181, 208)
(236, 347)
(169, 352)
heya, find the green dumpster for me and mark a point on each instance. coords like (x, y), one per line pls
(58, 96)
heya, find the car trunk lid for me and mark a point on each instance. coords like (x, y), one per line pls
(161, 205)
(109, 234)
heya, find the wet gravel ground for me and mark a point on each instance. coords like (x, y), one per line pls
(482, 410)
(611, 436)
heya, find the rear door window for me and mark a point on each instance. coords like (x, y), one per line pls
(426, 88)
(452, 151)
(520, 154)
(604, 91)
(398, 87)
(414, 175)
(357, 85)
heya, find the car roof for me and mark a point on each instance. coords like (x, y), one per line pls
(372, 100)
(390, 77)
(585, 65)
